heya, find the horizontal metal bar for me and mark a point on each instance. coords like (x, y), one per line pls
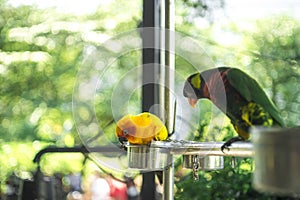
(79, 149)
(238, 149)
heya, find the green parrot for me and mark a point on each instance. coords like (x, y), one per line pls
(237, 95)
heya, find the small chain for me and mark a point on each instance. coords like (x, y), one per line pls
(196, 167)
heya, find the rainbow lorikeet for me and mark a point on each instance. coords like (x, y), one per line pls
(236, 94)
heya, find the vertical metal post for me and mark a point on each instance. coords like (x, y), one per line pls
(169, 101)
(169, 44)
(168, 181)
(150, 89)
(158, 79)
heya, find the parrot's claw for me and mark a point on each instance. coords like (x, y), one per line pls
(227, 144)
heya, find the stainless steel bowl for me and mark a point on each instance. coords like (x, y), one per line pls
(146, 158)
(203, 162)
(277, 160)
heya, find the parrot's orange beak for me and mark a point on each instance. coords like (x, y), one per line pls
(193, 102)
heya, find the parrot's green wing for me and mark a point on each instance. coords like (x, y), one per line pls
(251, 91)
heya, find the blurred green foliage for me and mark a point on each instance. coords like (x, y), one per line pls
(229, 183)
(41, 52)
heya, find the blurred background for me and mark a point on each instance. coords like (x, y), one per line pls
(43, 45)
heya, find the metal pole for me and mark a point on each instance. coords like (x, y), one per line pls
(169, 101)
(169, 44)
(168, 182)
(150, 89)
(158, 78)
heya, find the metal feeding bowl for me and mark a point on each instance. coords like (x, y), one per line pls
(277, 160)
(159, 155)
(203, 162)
(147, 158)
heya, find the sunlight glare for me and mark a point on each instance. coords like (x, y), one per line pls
(76, 7)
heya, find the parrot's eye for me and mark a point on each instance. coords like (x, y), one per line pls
(125, 132)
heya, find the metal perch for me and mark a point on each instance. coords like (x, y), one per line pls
(239, 149)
